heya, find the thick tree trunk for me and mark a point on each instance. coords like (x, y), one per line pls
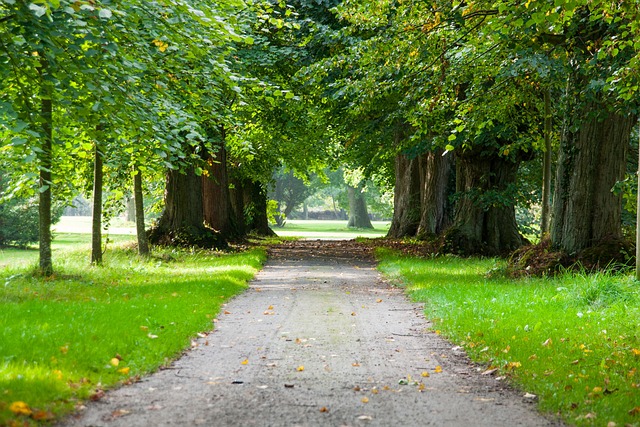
(143, 242)
(255, 201)
(215, 195)
(358, 215)
(435, 175)
(481, 226)
(96, 216)
(592, 159)
(406, 197)
(182, 222)
(236, 193)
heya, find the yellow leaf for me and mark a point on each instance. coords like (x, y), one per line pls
(124, 371)
(597, 389)
(57, 373)
(270, 307)
(365, 400)
(356, 364)
(635, 352)
(425, 374)
(20, 408)
(115, 361)
(245, 362)
(379, 300)
(421, 387)
(64, 349)
(300, 368)
(438, 369)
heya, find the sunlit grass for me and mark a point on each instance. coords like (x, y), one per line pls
(90, 328)
(328, 229)
(574, 340)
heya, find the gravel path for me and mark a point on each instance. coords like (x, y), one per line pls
(318, 340)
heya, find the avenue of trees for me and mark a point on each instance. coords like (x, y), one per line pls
(465, 109)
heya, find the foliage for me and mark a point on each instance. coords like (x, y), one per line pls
(571, 340)
(59, 338)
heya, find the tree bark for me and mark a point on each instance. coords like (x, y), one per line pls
(546, 168)
(255, 201)
(483, 227)
(215, 194)
(592, 159)
(143, 242)
(406, 197)
(182, 221)
(358, 215)
(435, 174)
(96, 215)
(45, 181)
(236, 193)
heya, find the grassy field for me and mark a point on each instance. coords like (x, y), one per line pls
(329, 230)
(67, 338)
(574, 341)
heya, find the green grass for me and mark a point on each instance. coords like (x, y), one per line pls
(573, 340)
(60, 338)
(329, 229)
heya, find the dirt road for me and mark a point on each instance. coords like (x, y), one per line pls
(318, 340)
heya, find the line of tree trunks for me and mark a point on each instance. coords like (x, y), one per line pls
(406, 197)
(592, 159)
(358, 215)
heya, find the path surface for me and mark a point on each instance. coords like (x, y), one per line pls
(318, 340)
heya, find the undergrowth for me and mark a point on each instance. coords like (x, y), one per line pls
(573, 340)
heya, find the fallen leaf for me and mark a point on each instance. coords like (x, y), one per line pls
(590, 416)
(635, 352)
(374, 390)
(547, 343)
(379, 300)
(365, 417)
(42, 416)
(124, 371)
(490, 371)
(438, 369)
(144, 328)
(99, 394)
(270, 307)
(421, 387)
(153, 337)
(64, 349)
(324, 409)
(635, 411)
(300, 368)
(611, 424)
(353, 313)
(288, 385)
(115, 361)
(20, 408)
(245, 362)
(425, 374)
(120, 413)
(356, 388)
(365, 399)
(227, 312)
(356, 364)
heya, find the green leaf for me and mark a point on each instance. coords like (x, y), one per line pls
(18, 141)
(452, 137)
(449, 147)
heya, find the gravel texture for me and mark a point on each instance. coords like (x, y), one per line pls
(319, 339)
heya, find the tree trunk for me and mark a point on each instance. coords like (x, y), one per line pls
(358, 215)
(435, 174)
(482, 226)
(546, 168)
(255, 200)
(406, 197)
(592, 159)
(182, 221)
(96, 216)
(215, 194)
(236, 193)
(45, 157)
(143, 242)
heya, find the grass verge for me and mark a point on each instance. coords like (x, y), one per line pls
(87, 329)
(573, 340)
